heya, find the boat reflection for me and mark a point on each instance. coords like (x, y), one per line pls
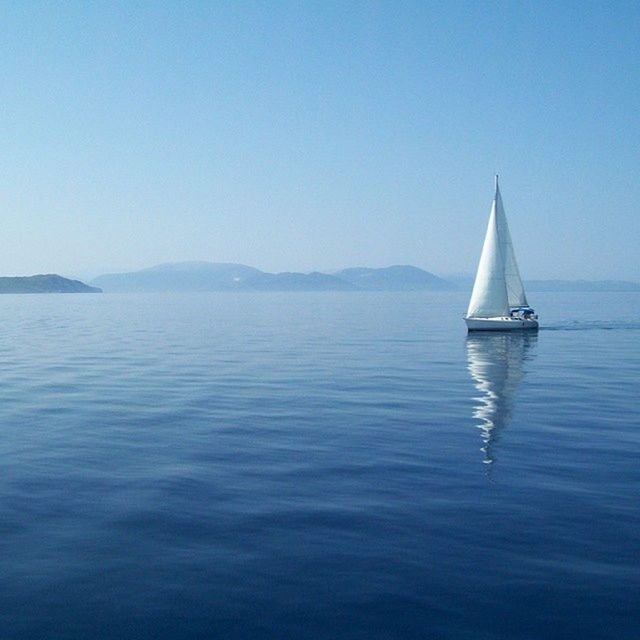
(496, 364)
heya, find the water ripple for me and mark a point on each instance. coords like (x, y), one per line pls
(315, 465)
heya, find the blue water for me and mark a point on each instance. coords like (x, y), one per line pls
(317, 466)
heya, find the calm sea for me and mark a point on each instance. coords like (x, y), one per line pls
(317, 466)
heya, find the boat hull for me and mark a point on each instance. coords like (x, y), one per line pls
(501, 324)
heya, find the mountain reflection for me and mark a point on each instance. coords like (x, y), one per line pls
(496, 364)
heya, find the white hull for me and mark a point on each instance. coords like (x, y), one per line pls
(500, 324)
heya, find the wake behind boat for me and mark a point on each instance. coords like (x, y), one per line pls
(498, 301)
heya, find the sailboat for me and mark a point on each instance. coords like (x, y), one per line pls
(498, 301)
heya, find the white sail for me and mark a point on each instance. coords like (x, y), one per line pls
(489, 298)
(515, 289)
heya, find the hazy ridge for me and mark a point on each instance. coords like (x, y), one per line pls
(219, 276)
(44, 283)
(222, 276)
(551, 285)
(212, 276)
(581, 285)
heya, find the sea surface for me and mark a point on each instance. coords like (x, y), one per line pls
(317, 465)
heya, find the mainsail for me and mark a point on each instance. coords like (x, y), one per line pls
(498, 286)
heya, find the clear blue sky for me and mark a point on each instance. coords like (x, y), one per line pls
(318, 135)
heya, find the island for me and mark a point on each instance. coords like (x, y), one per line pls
(221, 276)
(44, 283)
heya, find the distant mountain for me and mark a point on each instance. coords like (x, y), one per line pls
(396, 278)
(299, 282)
(212, 276)
(181, 276)
(466, 282)
(581, 285)
(49, 283)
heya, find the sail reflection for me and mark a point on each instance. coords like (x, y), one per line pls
(496, 364)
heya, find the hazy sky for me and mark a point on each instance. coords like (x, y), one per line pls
(318, 135)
